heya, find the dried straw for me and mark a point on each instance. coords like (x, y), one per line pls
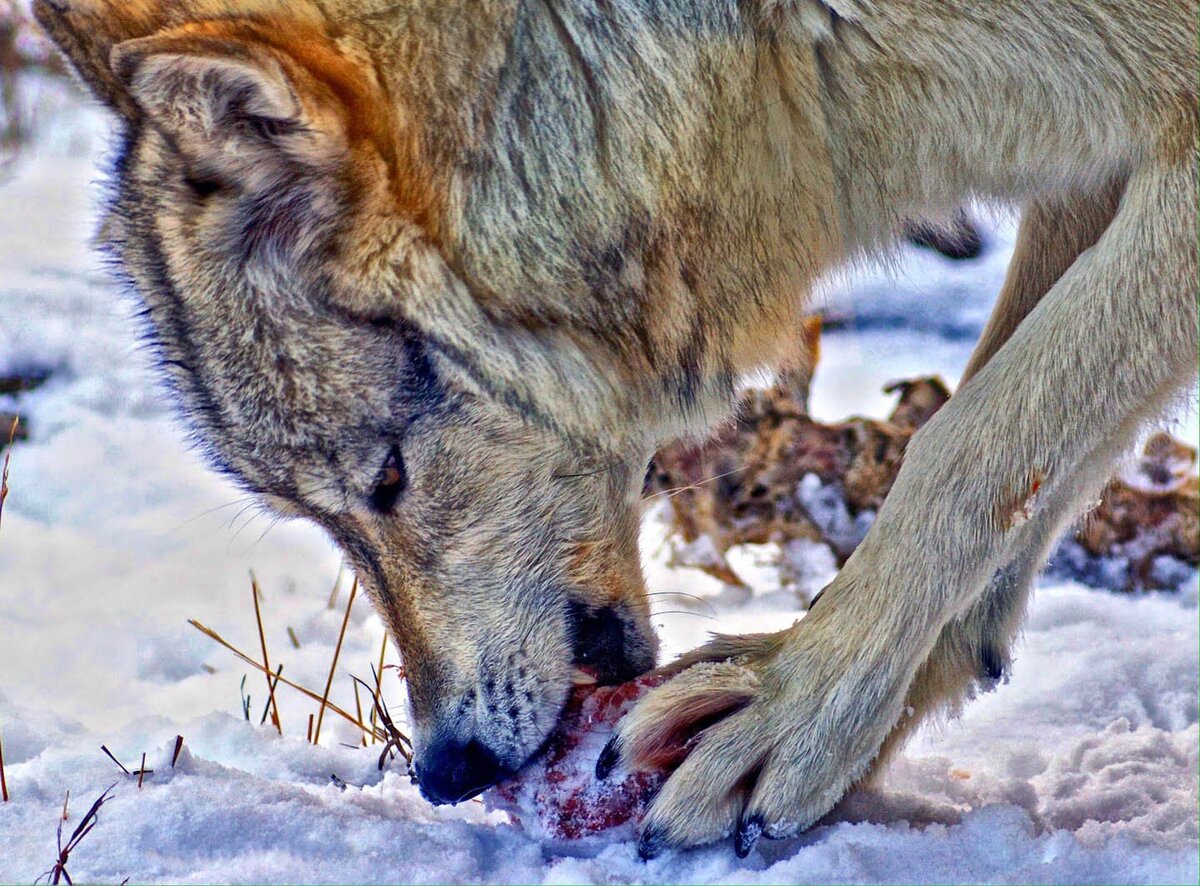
(3, 780)
(213, 635)
(12, 435)
(58, 872)
(112, 757)
(337, 651)
(393, 738)
(335, 590)
(358, 708)
(375, 693)
(262, 637)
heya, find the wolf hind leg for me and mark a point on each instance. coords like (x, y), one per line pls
(1053, 233)
(973, 651)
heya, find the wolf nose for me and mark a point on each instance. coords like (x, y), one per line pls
(453, 771)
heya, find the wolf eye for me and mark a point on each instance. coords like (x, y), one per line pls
(389, 484)
(202, 187)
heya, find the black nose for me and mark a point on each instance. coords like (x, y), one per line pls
(453, 771)
(611, 646)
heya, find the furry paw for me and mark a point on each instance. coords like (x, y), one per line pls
(764, 734)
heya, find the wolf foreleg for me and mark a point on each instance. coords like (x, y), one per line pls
(807, 712)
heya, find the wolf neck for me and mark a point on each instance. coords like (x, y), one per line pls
(646, 197)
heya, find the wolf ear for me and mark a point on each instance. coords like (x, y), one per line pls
(232, 104)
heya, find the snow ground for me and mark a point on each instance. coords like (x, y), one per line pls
(1082, 769)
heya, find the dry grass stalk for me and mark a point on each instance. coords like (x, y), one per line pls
(358, 708)
(213, 635)
(140, 773)
(12, 435)
(178, 750)
(66, 800)
(382, 656)
(337, 589)
(393, 739)
(262, 637)
(58, 873)
(112, 757)
(337, 651)
(292, 636)
(310, 726)
(267, 707)
(3, 780)
(246, 700)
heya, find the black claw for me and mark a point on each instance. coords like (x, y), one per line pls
(651, 843)
(747, 835)
(608, 760)
(992, 664)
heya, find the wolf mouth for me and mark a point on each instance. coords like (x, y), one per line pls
(601, 641)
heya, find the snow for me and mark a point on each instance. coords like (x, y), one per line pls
(1081, 769)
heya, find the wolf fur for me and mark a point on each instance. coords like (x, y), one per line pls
(518, 243)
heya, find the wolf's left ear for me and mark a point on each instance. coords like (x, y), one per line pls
(237, 106)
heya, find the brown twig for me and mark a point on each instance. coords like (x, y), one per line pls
(337, 587)
(358, 708)
(12, 435)
(140, 773)
(213, 635)
(178, 750)
(310, 725)
(274, 685)
(375, 694)
(66, 800)
(110, 756)
(262, 637)
(337, 651)
(3, 780)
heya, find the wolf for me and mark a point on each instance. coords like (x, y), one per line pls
(440, 275)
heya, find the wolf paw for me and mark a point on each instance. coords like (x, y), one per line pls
(763, 735)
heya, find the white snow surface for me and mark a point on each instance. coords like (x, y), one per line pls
(1081, 769)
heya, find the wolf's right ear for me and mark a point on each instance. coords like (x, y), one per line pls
(231, 103)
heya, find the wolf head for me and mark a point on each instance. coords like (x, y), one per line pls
(412, 277)
(290, 230)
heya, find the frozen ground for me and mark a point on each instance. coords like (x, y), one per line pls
(1082, 769)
